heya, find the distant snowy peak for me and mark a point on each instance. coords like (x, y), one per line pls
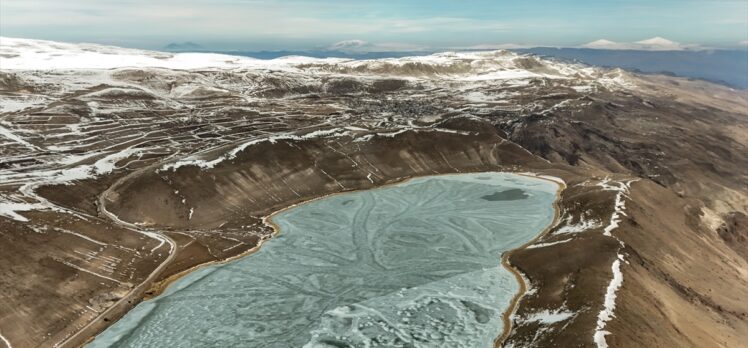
(653, 44)
(603, 44)
(660, 43)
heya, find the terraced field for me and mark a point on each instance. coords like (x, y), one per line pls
(115, 178)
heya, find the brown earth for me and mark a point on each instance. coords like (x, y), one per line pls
(685, 270)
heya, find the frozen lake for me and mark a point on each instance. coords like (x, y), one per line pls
(415, 264)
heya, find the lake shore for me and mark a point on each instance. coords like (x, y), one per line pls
(157, 288)
(506, 316)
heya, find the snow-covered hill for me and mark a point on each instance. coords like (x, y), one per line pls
(27, 54)
(77, 88)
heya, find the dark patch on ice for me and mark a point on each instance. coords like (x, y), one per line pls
(334, 343)
(506, 195)
(347, 201)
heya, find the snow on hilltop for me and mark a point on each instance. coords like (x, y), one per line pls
(27, 54)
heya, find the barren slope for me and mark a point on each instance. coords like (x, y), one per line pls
(113, 179)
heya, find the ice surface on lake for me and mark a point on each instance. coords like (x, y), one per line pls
(411, 265)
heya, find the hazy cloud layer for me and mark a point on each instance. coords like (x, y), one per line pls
(653, 44)
(399, 24)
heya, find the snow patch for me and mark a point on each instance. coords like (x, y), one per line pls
(615, 80)
(20, 102)
(10, 209)
(622, 189)
(15, 138)
(5, 340)
(547, 177)
(543, 245)
(104, 165)
(61, 230)
(583, 89)
(195, 160)
(547, 316)
(581, 226)
(502, 75)
(609, 304)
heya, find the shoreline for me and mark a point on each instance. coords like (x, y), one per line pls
(100, 322)
(506, 316)
(156, 289)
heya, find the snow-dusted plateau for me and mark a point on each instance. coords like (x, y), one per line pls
(122, 170)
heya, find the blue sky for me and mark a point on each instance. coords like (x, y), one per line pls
(375, 25)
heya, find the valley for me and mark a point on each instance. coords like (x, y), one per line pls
(117, 177)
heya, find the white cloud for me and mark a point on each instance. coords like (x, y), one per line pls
(743, 43)
(226, 19)
(505, 46)
(607, 44)
(654, 44)
(348, 45)
(398, 47)
(357, 45)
